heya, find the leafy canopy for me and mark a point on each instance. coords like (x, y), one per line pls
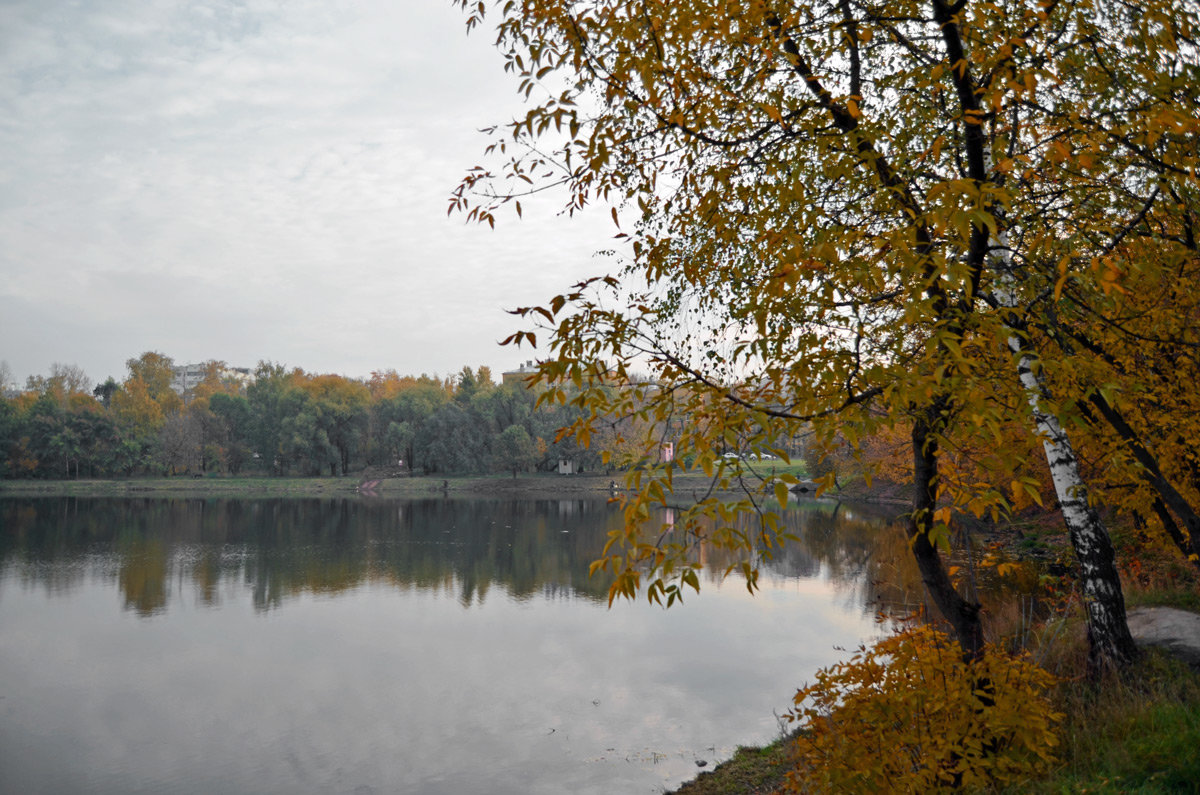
(834, 218)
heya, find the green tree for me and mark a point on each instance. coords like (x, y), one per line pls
(303, 440)
(515, 450)
(455, 440)
(469, 384)
(503, 406)
(10, 435)
(343, 410)
(263, 397)
(104, 392)
(233, 412)
(323, 421)
(50, 442)
(98, 435)
(405, 415)
(398, 442)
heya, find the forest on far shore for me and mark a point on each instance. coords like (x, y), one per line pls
(279, 421)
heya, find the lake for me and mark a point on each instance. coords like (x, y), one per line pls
(383, 646)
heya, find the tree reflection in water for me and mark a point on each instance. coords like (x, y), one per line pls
(280, 548)
(417, 646)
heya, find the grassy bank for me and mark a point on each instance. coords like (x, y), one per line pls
(304, 487)
(548, 486)
(1134, 733)
(1137, 734)
(750, 771)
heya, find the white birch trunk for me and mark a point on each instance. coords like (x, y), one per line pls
(1108, 630)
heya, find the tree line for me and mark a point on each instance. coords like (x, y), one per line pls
(279, 422)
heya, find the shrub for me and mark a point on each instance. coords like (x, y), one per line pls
(910, 715)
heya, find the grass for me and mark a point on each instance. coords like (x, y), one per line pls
(542, 484)
(770, 467)
(183, 486)
(750, 771)
(1161, 578)
(1136, 733)
(1167, 598)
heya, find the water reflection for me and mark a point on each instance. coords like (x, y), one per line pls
(433, 646)
(281, 548)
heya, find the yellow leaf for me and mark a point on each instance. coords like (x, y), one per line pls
(936, 149)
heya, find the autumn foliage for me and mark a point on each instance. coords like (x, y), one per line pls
(943, 220)
(909, 715)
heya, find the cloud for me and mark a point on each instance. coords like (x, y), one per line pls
(245, 180)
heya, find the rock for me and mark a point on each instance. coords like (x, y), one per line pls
(1177, 631)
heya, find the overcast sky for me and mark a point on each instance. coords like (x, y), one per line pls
(259, 180)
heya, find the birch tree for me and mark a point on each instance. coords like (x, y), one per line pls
(838, 216)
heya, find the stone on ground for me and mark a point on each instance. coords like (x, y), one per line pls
(1177, 631)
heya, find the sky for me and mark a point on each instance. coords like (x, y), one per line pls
(261, 180)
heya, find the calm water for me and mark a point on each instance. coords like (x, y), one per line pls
(375, 646)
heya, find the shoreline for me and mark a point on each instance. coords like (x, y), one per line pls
(375, 485)
(547, 486)
(348, 486)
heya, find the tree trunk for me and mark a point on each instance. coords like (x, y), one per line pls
(963, 615)
(1108, 630)
(1111, 643)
